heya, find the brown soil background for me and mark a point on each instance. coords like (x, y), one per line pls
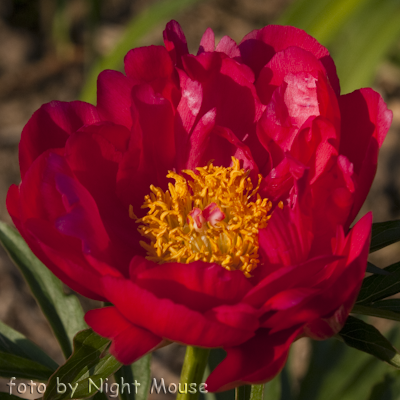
(32, 72)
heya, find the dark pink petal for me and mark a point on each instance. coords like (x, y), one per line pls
(93, 154)
(114, 97)
(207, 43)
(278, 183)
(175, 42)
(259, 46)
(339, 300)
(169, 320)
(147, 64)
(152, 148)
(329, 295)
(333, 195)
(256, 361)
(287, 238)
(59, 265)
(50, 126)
(365, 122)
(67, 209)
(199, 285)
(289, 278)
(213, 214)
(235, 100)
(295, 66)
(229, 47)
(129, 342)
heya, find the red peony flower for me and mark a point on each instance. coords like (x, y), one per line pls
(208, 197)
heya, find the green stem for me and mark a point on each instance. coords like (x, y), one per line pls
(247, 392)
(192, 372)
(257, 392)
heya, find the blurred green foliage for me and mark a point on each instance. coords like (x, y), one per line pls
(359, 33)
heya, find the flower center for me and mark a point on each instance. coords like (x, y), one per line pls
(208, 217)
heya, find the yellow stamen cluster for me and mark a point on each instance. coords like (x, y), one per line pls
(232, 243)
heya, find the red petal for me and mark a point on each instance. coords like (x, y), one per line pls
(153, 134)
(169, 320)
(365, 122)
(175, 42)
(93, 154)
(259, 46)
(207, 43)
(49, 128)
(198, 285)
(114, 97)
(256, 361)
(287, 238)
(129, 342)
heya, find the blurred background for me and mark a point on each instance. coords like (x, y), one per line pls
(54, 50)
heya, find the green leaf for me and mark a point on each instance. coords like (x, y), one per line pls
(85, 371)
(140, 25)
(363, 43)
(20, 367)
(384, 234)
(138, 372)
(13, 342)
(321, 19)
(64, 312)
(373, 269)
(382, 390)
(388, 309)
(377, 287)
(367, 338)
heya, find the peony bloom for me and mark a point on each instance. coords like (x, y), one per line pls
(208, 197)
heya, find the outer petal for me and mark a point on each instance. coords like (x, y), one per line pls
(175, 42)
(94, 154)
(129, 342)
(58, 264)
(49, 128)
(63, 222)
(201, 286)
(287, 238)
(256, 361)
(114, 97)
(365, 122)
(339, 300)
(259, 46)
(177, 322)
(151, 150)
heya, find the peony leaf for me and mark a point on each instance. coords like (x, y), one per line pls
(349, 374)
(373, 269)
(64, 312)
(13, 342)
(139, 26)
(367, 338)
(20, 367)
(388, 309)
(384, 234)
(138, 371)
(377, 287)
(84, 372)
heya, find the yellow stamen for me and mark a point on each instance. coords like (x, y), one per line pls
(175, 236)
